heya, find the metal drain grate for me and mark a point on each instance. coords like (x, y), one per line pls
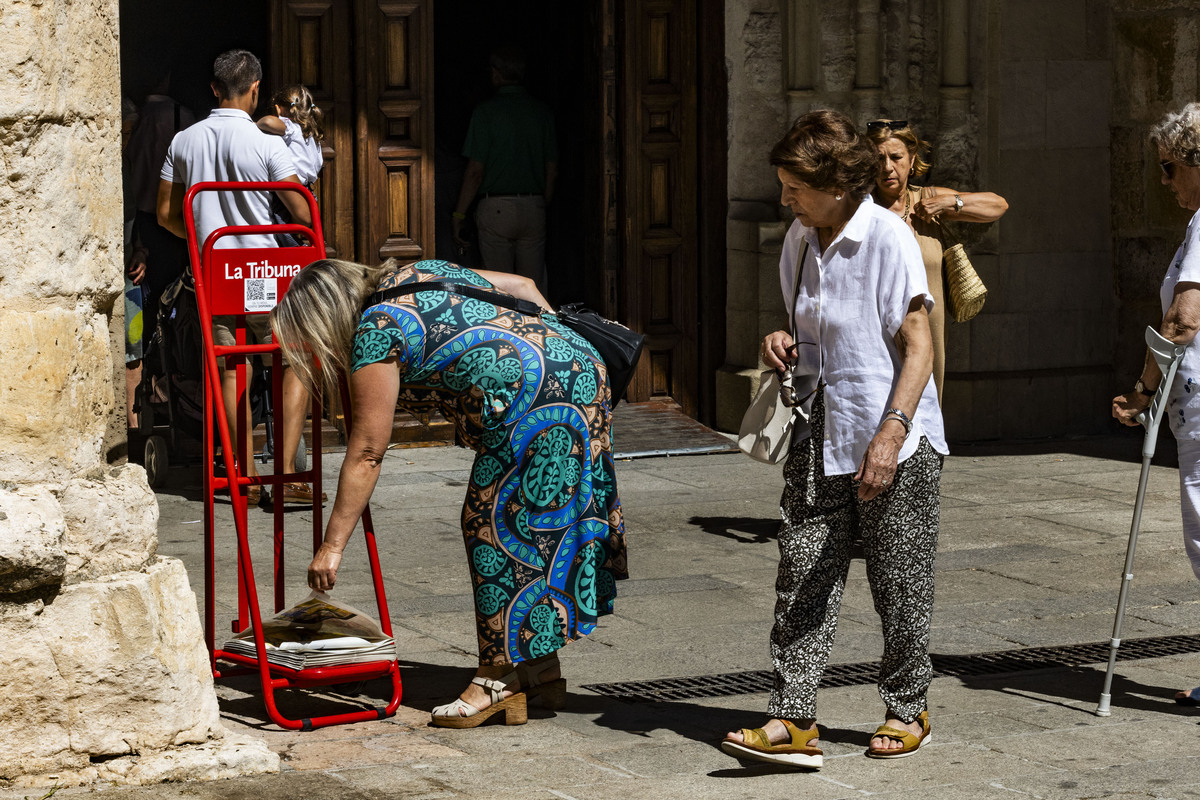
(996, 663)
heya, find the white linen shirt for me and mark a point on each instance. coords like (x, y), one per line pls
(306, 153)
(1183, 400)
(228, 146)
(853, 299)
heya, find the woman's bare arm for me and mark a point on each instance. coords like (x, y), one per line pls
(976, 206)
(516, 285)
(373, 392)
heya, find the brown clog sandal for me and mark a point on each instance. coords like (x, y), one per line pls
(756, 746)
(910, 741)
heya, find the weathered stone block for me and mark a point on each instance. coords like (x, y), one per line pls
(54, 392)
(78, 254)
(735, 390)
(60, 58)
(1032, 176)
(130, 651)
(111, 520)
(1077, 104)
(35, 731)
(32, 533)
(1045, 31)
(1024, 125)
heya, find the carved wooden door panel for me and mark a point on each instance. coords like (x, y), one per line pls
(659, 285)
(309, 46)
(369, 65)
(394, 128)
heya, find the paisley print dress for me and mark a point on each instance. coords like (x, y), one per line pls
(542, 520)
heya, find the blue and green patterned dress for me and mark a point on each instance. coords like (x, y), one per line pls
(542, 521)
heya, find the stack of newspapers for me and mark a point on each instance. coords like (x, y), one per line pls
(318, 632)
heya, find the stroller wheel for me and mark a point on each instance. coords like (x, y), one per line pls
(155, 460)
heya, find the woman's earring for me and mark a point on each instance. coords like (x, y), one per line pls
(837, 197)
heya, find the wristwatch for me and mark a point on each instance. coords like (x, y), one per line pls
(958, 204)
(1141, 388)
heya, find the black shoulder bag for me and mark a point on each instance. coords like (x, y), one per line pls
(618, 346)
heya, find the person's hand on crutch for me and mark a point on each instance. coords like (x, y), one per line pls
(1127, 408)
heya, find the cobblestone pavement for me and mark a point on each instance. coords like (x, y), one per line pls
(1032, 544)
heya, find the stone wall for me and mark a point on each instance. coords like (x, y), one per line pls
(1156, 69)
(1015, 97)
(104, 672)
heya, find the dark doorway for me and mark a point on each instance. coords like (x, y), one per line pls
(559, 40)
(183, 39)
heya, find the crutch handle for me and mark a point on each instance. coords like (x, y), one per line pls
(1167, 355)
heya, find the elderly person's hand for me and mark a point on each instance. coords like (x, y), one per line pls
(322, 572)
(1126, 407)
(878, 466)
(778, 351)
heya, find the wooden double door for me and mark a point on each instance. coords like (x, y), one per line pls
(369, 65)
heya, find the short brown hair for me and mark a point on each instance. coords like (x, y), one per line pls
(917, 147)
(826, 151)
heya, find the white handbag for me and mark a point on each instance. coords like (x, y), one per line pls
(766, 431)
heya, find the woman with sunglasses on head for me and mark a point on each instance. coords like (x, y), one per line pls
(866, 464)
(1177, 140)
(903, 155)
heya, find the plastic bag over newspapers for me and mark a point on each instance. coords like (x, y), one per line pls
(318, 632)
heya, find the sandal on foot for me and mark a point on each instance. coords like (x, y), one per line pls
(461, 714)
(300, 493)
(553, 693)
(756, 746)
(910, 742)
(1190, 697)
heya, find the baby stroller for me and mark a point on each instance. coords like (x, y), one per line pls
(169, 400)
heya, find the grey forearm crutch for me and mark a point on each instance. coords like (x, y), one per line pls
(1167, 355)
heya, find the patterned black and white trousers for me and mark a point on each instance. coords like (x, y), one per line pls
(822, 517)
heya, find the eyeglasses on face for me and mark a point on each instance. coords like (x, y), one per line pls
(890, 124)
(1168, 168)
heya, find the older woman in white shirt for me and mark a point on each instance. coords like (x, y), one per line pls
(1177, 138)
(868, 463)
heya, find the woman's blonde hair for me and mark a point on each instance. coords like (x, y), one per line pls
(319, 314)
(301, 110)
(917, 147)
(1179, 134)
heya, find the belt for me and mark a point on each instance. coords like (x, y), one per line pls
(519, 194)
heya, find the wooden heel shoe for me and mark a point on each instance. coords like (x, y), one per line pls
(553, 692)
(461, 714)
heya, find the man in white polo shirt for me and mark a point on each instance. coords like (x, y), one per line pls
(228, 146)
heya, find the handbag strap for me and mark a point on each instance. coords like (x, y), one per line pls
(465, 289)
(796, 291)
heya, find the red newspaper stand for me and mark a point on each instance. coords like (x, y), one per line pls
(243, 282)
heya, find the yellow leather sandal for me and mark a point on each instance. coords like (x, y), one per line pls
(756, 746)
(910, 742)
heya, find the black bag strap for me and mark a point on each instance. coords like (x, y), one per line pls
(465, 289)
(796, 290)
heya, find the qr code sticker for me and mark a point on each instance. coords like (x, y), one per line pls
(260, 294)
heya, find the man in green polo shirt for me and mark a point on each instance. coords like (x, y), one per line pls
(512, 166)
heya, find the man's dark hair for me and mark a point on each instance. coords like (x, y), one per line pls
(234, 72)
(509, 61)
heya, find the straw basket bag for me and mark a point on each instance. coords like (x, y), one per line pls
(964, 289)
